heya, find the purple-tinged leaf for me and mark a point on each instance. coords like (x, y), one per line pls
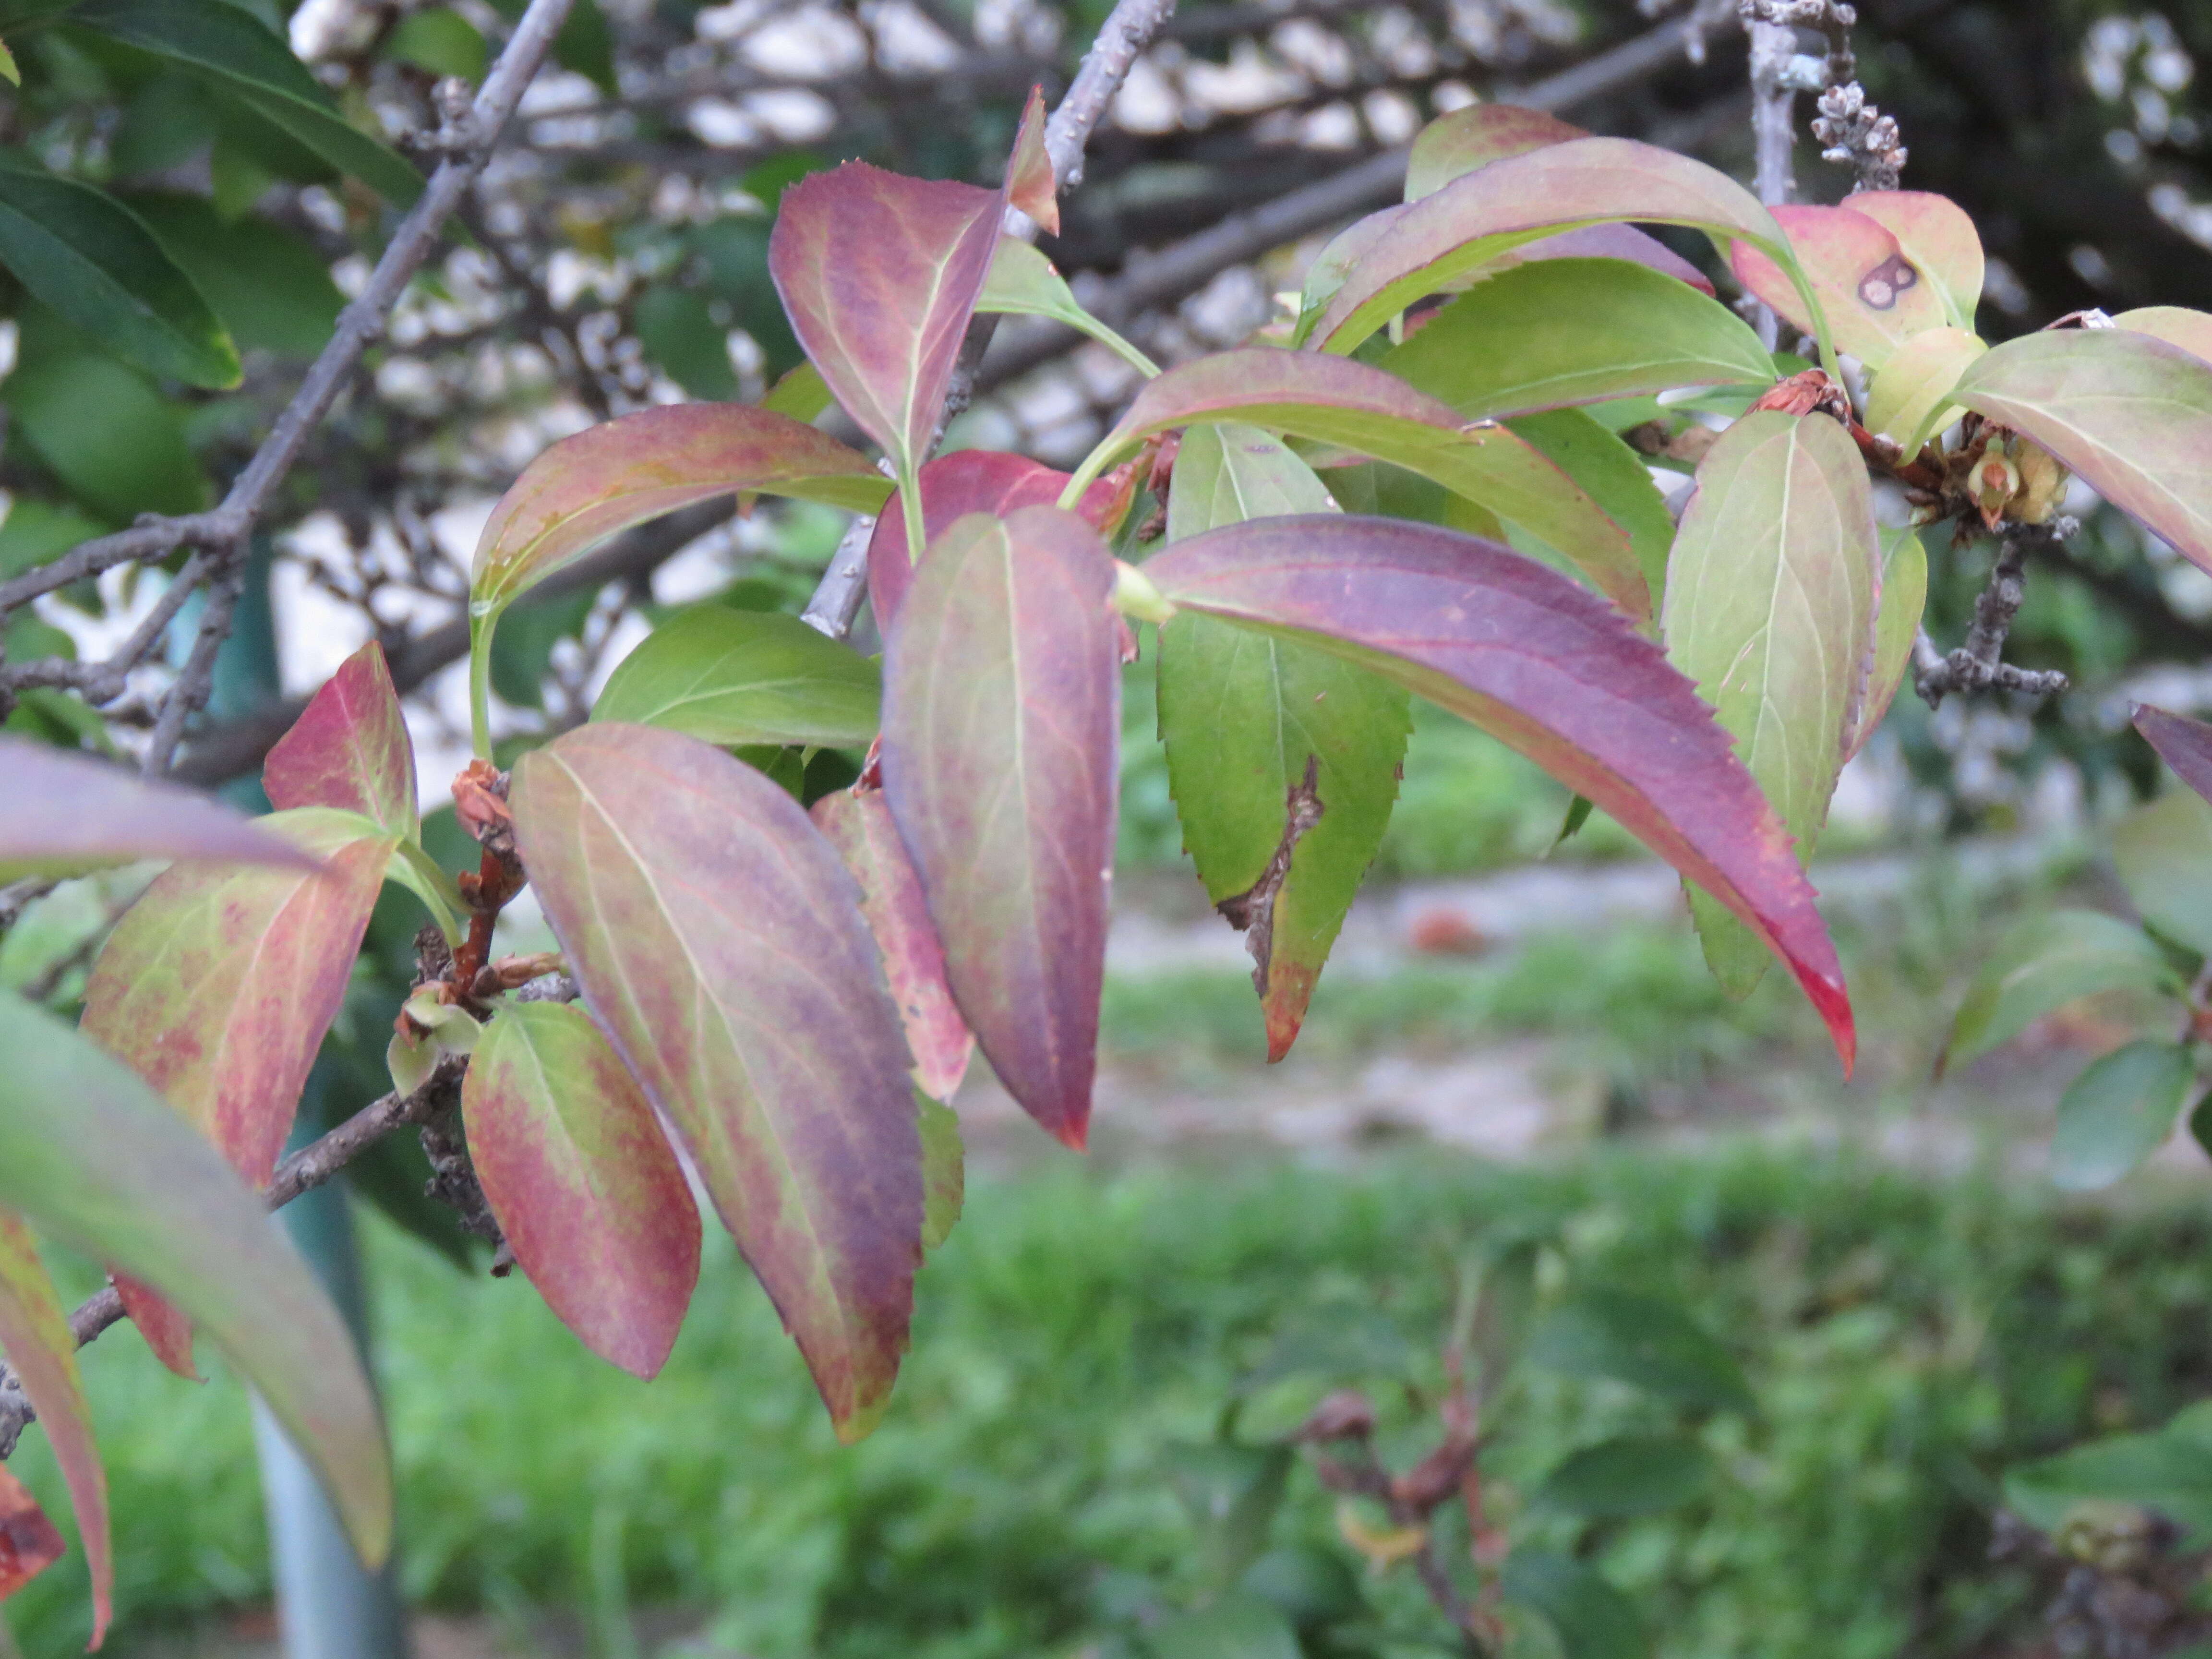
(1522, 653)
(1030, 186)
(349, 749)
(2131, 414)
(217, 985)
(582, 1182)
(1772, 594)
(859, 827)
(29, 1543)
(95, 1159)
(952, 486)
(1614, 241)
(719, 945)
(1339, 257)
(61, 814)
(2175, 325)
(2183, 743)
(1572, 332)
(623, 472)
(1466, 140)
(1001, 716)
(1875, 298)
(880, 275)
(164, 1330)
(1938, 239)
(1336, 400)
(1474, 219)
(34, 1336)
(1283, 759)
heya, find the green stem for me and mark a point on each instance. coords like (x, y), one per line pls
(1094, 464)
(909, 491)
(480, 633)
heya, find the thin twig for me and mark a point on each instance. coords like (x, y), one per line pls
(1978, 664)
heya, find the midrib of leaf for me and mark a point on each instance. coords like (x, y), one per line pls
(818, 1255)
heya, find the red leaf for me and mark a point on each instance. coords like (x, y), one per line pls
(29, 1543)
(966, 481)
(35, 1335)
(2183, 743)
(1610, 242)
(61, 814)
(859, 825)
(1001, 714)
(217, 986)
(349, 749)
(719, 945)
(1030, 186)
(1521, 652)
(166, 1332)
(582, 1182)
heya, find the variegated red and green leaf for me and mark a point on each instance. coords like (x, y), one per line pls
(1365, 411)
(1875, 298)
(1772, 594)
(62, 814)
(952, 486)
(2130, 413)
(859, 825)
(1030, 186)
(1938, 239)
(1001, 717)
(719, 945)
(1471, 221)
(34, 1336)
(1548, 668)
(217, 985)
(1283, 760)
(583, 1183)
(91, 1156)
(29, 1543)
(349, 749)
(1466, 140)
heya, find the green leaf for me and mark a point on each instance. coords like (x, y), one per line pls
(1524, 199)
(97, 1163)
(1239, 1626)
(36, 1340)
(2176, 324)
(1592, 1619)
(268, 284)
(2131, 414)
(1614, 475)
(90, 258)
(1565, 331)
(2118, 1113)
(439, 40)
(2169, 1470)
(802, 394)
(1642, 1341)
(1904, 600)
(1466, 140)
(1232, 1491)
(1022, 280)
(35, 532)
(234, 50)
(1771, 601)
(943, 1170)
(583, 45)
(1362, 409)
(685, 889)
(2041, 965)
(522, 650)
(1283, 760)
(8, 72)
(218, 985)
(678, 333)
(1910, 400)
(583, 1183)
(746, 677)
(115, 442)
(1634, 1475)
(2163, 852)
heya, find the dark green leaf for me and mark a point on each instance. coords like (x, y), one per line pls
(1592, 1619)
(522, 650)
(2118, 1113)
(1614, 475)
(1311, 1588)
(1283, 760)
(439, 40)
(1232, 1492)
(2043, 964)
(583, 43)
(2163, 852)
(677, 331)
(2169, 1471)
(270, 288)
(1635, 1474)
(236, 51)
(36, 531)
(111, 437)
(1643, 1340)
(90, 257)
(746, 677)
(1239, 1626)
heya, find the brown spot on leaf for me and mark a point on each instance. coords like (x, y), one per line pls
(1252, 912)
(1880, 289)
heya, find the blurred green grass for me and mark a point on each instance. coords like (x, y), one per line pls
(1905, 1341)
